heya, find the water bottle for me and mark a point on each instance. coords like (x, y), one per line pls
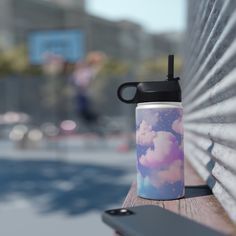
(159, 136)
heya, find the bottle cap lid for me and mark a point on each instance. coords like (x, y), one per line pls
(154, 91)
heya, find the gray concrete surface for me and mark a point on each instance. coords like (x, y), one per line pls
(61, 192)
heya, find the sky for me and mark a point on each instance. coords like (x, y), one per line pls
(153, 15)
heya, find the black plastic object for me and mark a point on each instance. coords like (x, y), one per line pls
(154, 221)
(155, 91)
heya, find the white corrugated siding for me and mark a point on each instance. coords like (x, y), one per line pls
(209, 96)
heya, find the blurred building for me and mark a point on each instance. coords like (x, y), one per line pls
(163, 43)
(17, 18)
(124, 40)
(120, 39)
(68, 3)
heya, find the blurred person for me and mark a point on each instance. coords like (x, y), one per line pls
(85, 72)
(82, 77)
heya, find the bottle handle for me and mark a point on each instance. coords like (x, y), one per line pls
(122, 87)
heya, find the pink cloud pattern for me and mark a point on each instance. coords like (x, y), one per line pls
(145, 134)
(160, 154)
(166, 150)
(171, 175)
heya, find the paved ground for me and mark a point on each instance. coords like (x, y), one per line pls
(61, 191)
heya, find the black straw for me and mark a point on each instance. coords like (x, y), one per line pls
(170, 67)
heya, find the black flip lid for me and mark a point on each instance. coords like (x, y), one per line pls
(155, 91)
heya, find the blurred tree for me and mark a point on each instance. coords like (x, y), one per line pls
(103, 89)
(56, 91)
(15, 61)
(154, 69)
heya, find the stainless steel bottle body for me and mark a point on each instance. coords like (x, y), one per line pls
(159, 145)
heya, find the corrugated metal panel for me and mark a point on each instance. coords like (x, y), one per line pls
(209, 96)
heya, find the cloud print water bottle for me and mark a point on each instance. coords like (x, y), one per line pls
(159, 136)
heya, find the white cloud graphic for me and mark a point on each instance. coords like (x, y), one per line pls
(149, 116)
(166, 149)
(145, 134)
(143, 181)
(177, 126)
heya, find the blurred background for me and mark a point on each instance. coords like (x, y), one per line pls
(67, 143)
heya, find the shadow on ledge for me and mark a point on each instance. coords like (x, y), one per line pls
(197, 191)
(71, 188)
